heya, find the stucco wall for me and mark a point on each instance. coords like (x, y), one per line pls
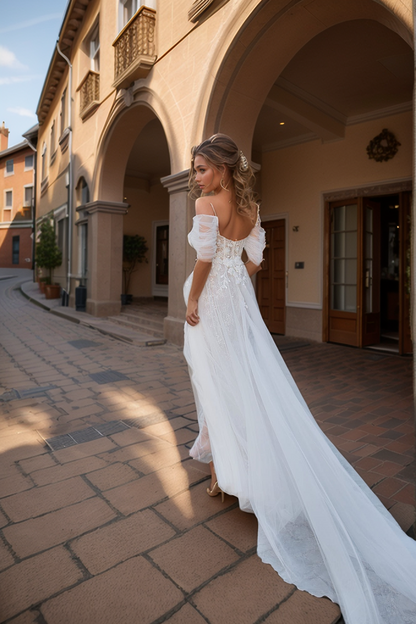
(294, 180)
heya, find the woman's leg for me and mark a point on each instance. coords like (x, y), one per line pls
(213, 474)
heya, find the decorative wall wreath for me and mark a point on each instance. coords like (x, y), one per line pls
(383, 147)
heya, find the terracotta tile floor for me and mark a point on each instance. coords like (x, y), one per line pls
(120, 528)
(364, 403)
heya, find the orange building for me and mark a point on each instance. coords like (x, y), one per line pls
(17, 179)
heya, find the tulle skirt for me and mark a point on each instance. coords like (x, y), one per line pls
(320, 526)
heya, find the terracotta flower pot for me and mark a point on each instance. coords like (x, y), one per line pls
(53, 291)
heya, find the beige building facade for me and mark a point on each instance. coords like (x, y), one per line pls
(318, 94)
(17, 180)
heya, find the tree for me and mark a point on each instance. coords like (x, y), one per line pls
(48, 254)
(134, 253)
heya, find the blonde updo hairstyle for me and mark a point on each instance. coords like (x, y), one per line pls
(220, 150)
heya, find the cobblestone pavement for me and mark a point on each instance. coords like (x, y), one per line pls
(114, 525)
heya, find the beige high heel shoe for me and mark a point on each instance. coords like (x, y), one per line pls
(215, 490)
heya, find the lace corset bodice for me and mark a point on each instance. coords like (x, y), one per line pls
(211, 246)
(227, 263)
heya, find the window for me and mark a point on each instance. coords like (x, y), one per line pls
(95, 49)
(29, 162)
(15, 249)
(28, 196)
(129, 7)
(85, 193)
(9, 199)
(62, 235)
(63, 112)
(44, 161)
(9, 167)
(53, 148)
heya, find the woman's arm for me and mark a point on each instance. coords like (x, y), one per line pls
(200, 276)
(252, 268)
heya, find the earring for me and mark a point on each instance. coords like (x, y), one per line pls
(222, 185)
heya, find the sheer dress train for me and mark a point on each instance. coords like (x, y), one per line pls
(320, 526)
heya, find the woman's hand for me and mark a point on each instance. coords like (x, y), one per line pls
(192, 317)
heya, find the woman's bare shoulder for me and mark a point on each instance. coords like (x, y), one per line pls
(203, 205)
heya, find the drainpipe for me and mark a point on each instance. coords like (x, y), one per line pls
(70, 185)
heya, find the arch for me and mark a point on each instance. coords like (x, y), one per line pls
(132, 110)
(264, 44)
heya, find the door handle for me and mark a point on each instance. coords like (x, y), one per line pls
(287, 279)
(367, 278)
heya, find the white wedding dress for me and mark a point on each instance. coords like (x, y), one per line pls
(320, 526)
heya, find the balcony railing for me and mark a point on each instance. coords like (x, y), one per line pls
(134, 48)
(89, 94)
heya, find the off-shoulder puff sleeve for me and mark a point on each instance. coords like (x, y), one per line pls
(203, 236)
(256, 242)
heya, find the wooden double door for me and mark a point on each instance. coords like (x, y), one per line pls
(271, 280)
(353, 271)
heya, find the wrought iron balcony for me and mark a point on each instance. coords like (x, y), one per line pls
(90, 94)
(134, 48)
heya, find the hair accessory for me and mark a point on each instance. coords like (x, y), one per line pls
(243, 162)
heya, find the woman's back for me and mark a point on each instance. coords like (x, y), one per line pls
(231, 225)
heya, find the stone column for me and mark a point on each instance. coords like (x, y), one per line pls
(105, 257)
(181, 256)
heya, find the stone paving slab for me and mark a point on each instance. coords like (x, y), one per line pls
(122, 525)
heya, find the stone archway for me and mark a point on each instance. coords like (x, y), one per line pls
(266, 43)
(107, 211)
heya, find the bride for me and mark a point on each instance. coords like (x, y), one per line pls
(320, 526)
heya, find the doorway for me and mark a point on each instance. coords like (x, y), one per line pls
(271, 280)
(367, 281)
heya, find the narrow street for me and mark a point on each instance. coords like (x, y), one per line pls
(104, 518)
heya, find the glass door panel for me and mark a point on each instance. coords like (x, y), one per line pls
(343, 275)
(344, 258)
(371, 273)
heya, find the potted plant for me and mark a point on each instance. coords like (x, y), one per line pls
(49, 257)
(134, 253)
(43, 282)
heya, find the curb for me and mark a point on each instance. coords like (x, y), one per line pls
(107, 331)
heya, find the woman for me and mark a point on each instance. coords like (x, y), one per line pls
(320, 526)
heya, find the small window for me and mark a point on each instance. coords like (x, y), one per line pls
(44, 150)
(53, 139)
(9, 199)
(85, 193)
(9, 167)
(29, 162)
(129, 7)
(15, 249)
(61, 235)
(63, 112)
(28, 196)
(95, 49)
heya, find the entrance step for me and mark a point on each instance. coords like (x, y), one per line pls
(145, 317)
(143, 325)
(394, 336)
(384, 346)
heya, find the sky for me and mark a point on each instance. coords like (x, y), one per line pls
(28, 33)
